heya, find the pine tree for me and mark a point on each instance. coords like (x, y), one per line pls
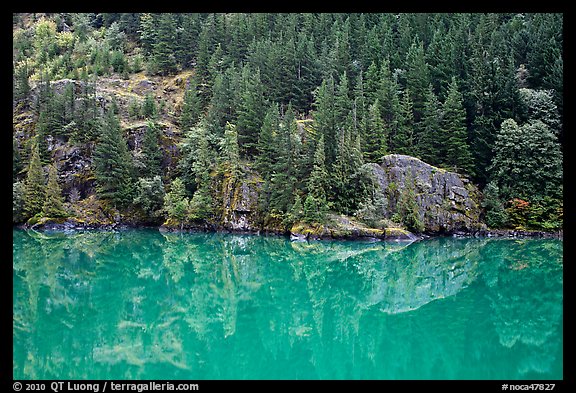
(195, 163)
(307, 73)
(284, 178)
(191, 106)
(187, 41)
(251, 111)
(266, 158)
(201, 204)
(439, 59)
(315, 204)
(372, 83)
(325, 119)
(389, 100)
(417, 78)
(152, 150)
(202, 60)
(34, 186)
(202, 156)
(431, 146)
(453, 125)
(54, 203)
(149, 109)
(163, 49)
(375, 140)
(112, 161)
(230, 150)
(343, 191)
(319, 178)
(219, 110)
(402, 140)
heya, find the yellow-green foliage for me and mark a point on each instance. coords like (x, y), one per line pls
(92, 211)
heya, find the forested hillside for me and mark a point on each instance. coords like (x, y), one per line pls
(158, 118)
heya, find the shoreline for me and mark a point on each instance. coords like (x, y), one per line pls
(399, 235)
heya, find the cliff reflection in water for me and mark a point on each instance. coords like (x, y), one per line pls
(141, 304)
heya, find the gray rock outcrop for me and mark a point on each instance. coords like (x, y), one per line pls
(445, 201)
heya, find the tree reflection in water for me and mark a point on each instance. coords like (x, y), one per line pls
(141, 304)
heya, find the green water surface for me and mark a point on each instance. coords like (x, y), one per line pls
(140, 304)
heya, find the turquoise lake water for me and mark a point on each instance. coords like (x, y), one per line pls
(140, 304)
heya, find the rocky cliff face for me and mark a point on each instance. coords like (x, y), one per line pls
(239, 201)
(445, 201)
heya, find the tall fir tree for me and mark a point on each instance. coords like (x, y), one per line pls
(34, 185)
(325, 119)
(230, 150)
(54, 203)
(376, 136)
(113, 168)
(319, 177)
(284, 179)
(402, 139)
(152, 150)
(163, 49)
(251, 111)
(266, 156)
(458, 155)
(432, 144)
(417, 78)
(191, 105)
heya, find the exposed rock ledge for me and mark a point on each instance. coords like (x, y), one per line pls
(343, 227)
(445, 201)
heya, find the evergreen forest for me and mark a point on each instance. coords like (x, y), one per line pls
(153, 118)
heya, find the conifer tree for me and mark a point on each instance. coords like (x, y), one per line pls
(163, 49)
(315, 204)
(230, 150)
(191, 106)
(527, 161)
(372, 83)
(376, 137)
(431, 145)
(21, 85)
(201, 204)
(319, 178)
(266, 156)
(54, 202)
(149, 109)
(325, 120)
(34, 185)
(112, 161)
(251, 111)
(284, 179)
(152, 150)
(201, 152)
(453, 125)
(417, 78)
(402, 140)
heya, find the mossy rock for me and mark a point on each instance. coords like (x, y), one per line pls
(398, 234)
